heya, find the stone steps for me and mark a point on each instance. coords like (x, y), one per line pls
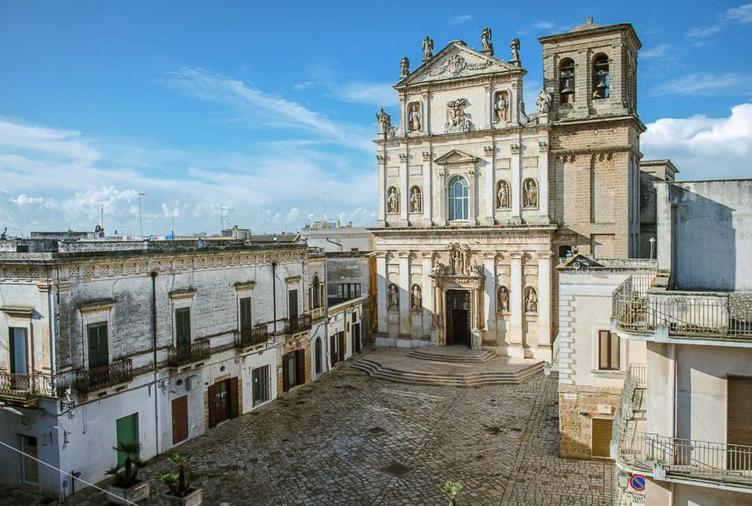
(471, 379)
(475, 357)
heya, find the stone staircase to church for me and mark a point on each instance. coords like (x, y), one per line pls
(447, 367)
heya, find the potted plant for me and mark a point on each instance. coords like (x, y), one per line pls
(180, 490)
(126, 484)
(452, 489)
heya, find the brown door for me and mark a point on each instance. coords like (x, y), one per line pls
(342, 345)
(234, 400)
(356, 337)
(738, 415)
(458, 317)
(219, 402)
(179, 419)
(300, 365)
(333, 349)
(601, 437)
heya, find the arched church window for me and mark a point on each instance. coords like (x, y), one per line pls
(458, 198)
(601, 77)
(566, 81)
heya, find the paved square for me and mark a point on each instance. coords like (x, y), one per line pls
(351, 439)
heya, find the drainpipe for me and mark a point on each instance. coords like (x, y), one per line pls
(335, 243)
(154, 348)
(274, 297)
(51, 322)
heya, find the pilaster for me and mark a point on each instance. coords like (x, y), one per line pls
(427, 293)
(381, 295)
(543, 182)
(489, 295)
(515, 306)
(543, 350)
(404, 297)
(516, 183)
(490, 180)
(404, 185)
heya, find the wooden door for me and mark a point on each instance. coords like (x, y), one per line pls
(234, 400)
(300, 367)
(99, 353)
(219, 402)
(333, 349)
(356, 337)
(179, 419)
(738, 416)
(458, 317)
(17, 350)
(342, 346)
(127, 433)
(601, 437)
(292, 305)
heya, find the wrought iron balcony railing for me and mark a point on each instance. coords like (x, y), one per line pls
(26, 386)
(88, 380)
(688, 314)
(252, 337)
(298, 324)
(188, 353)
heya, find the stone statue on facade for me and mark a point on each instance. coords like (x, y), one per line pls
(393, 295)
(531, 301)
(501, 107)
(514, 47)
(543, 102)
(502, 195)
(485, 41)
(427, 48)
(384, 121)
(531, 193)
(416, 200)
(413, 117)
(404, 67)
(502, 302)
(392, 201)
(457, 120)
(417, 297)
(438, 269)
(459, 260)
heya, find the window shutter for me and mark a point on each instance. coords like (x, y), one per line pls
(603, 349)
(183, 326)
(738, 414)
(245, 313)
(601, 437)
(614, 351)
(285, 371)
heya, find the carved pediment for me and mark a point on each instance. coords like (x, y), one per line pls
(455, 156)
(579, 261)
(456, 60)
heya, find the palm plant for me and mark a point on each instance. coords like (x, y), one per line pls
(177, 481)
(126, 472)
(452, 489)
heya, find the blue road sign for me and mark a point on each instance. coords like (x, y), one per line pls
(637, 482)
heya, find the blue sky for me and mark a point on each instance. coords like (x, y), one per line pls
(264, 107)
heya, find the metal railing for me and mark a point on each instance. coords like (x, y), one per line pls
(26, 386)
(188, 353)
(253, 336)
(298, 324)
(88, 380)
(683, 314)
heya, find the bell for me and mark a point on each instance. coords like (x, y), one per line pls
(567, 86)
(601, 86)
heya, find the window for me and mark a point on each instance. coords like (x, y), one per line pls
(245, 313)
(316, 290)
(293, 369)
(608, 351)
(566, 80)
(292, 304)
(99, 353)
(183, 326)
(260, 378)
(458, 199)
(17, 349)
(601, 77)
(348, 290)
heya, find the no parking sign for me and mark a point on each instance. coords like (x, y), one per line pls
(637, 482)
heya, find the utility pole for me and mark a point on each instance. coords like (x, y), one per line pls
(140, 223)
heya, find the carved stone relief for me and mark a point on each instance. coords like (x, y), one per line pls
(457, 119)
(456, 65)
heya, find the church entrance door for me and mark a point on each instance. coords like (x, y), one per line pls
(458, 317)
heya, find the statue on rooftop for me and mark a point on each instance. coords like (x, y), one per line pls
(427, 48)
(485, 41)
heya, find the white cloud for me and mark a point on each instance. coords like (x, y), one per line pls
(734, 15)
(377, 94)
(261, 109)
(655, 52)
(704, 31)
(544, 25)
(458, 20)
(702, 147)
(700, 84)
(741, 14)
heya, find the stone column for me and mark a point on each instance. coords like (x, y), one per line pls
(543, 182)
(488, 120)
(439, 337)
(489, 295)
(404, 297)
(472, 196)
(476, 327)
(427, 188)
(515, 306)
(381, 160)
(427, 292)
(545, 295)
(490, 180)
(516, 183)
(404, 185)
(381, 294)
(441, 194)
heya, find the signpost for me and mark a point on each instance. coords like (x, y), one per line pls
(637, 482)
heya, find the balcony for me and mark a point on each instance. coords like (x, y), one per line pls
(701, 315)
(186, 354)
(667, 458)
(252, 337)
(25, 387)
(298, 324)
(89, 380)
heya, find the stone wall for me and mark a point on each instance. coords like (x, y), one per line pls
(577, 407)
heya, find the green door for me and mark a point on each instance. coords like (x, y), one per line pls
(183, 326)
(98, 349)
(245, 313)
(127, 433)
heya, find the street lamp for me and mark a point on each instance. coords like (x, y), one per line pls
(140, 223)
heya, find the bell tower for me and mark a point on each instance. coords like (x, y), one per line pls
(591, 71)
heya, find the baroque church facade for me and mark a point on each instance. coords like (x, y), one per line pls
(478, 200)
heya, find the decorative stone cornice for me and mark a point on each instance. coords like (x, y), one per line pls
(545, 254)
(18, 311)
(97, 306)
(244, 285)
(516, 255)
(182, 293)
